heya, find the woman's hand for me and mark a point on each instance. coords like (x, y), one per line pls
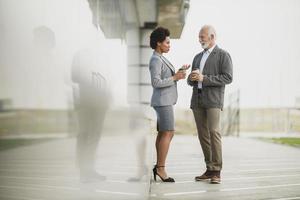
(180, 74)
(185, 67)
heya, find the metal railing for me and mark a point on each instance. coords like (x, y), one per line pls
(231, 116)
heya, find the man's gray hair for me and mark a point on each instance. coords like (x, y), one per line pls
(210, 29)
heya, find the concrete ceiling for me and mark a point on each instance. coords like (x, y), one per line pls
(172, 14)
(114, 17)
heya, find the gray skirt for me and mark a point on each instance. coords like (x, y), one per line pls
(165, 118)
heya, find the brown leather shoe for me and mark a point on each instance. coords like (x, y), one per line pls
(207, 175)
(215, 179)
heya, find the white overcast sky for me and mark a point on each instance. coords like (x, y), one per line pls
(263, 38)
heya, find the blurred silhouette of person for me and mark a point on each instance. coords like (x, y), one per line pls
(44, 66)
(44, 38)
(90, 103)
(211, 71)
(137, 123)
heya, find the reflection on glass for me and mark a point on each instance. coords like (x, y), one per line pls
(91, 104)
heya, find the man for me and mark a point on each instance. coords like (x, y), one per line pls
(211, 71)
(91, 101)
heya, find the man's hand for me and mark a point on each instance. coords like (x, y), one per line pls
(196, 75)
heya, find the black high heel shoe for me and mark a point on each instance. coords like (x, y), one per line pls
(169, 179)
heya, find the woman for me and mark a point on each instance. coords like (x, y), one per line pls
(164, 83)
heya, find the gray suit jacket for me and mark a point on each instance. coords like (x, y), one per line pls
(164, 87)
(217, 73)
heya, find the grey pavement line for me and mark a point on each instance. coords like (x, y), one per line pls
(40, 178)
(42, 162)
(121, 193)
(99, 167)
(182, 193)
(289, 198)
(179, 193)
(235, 166)
(277, 163)
(62, 178)
(235, 171)
(280, 169)
(240, 164)
(37, 136)
(31, 170)
(19, 197)
(200, 162)
(243, 178)
(259, 187)
(39, 166)
(267, 160)
(39, 187)
(229, 189)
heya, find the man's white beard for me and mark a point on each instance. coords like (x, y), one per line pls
(204, 45)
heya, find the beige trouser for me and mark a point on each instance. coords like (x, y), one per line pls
(208, 126)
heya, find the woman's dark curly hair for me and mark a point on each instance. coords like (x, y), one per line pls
(158, 35)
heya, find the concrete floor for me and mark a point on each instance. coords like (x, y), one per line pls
(253, 169)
